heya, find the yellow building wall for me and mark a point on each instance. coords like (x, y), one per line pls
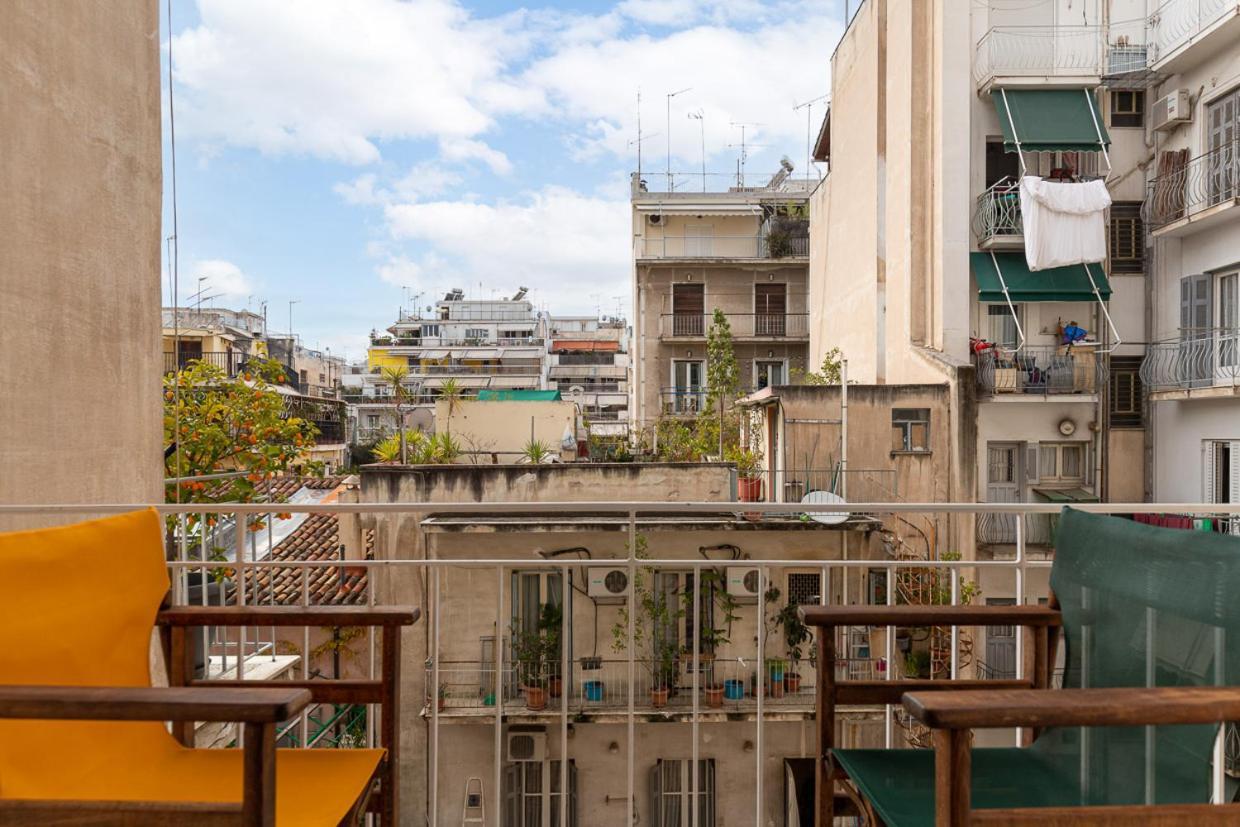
(380, 357)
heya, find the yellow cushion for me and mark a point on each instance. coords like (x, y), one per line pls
(77, 607)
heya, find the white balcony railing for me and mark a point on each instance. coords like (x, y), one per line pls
(1177, 23)
(1039, 52)
(1198, 359)
(757, 325)
(1209, 180)
(464, 686)
(997, 215)
(723, 246)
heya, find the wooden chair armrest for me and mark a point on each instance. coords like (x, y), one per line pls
(132, 703)
(987, 709)
(387, 616)
(905, 615)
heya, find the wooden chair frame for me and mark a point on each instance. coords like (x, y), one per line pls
(258, 705)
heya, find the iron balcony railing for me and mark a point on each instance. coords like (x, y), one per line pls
(437, 342)
(996, 215)
(1199, 358)
(230, 362)
(1176, 23)
(457, 680)
(1203, 182)
(1039, 52)
(1041, 370)
(683, 401)
(1001, 529)
(750, 325)
(724, 246)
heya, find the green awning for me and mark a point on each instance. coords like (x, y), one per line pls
(1049, 120)
(518, 396)
(1065, 495)
(1058, 284)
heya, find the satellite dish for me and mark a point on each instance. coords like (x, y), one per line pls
(825, 498)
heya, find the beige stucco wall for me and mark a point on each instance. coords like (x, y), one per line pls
(505, 427)
(80, 356)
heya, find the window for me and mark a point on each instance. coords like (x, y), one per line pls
(769, 374)
(910, 429)
(1127, 237)
(532, 789)
(804, 588)
(1061, 463)
(530, 591)
(1223, 118)
(1124, 408)
(431, 330)
(770, 306)
(670, 802)
(688, 394)
(1221, 475)
(476, 333)
(1229, 322)
(1003, 325)
(674, 587)
(688, 309)
(1000, 164)
(1127, 108)
(876, 587)
(372, 420)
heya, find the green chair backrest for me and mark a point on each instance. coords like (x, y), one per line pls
(1143, 606)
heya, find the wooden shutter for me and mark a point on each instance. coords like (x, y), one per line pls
(1207, 472)
(1031, 463)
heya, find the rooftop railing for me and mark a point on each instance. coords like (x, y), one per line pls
(773, 325)
(1197, 185)
(1199, 359)
(758, 186)
(1041, 370)
(229, 361)
(752, 692)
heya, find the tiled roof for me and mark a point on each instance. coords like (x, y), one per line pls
(283, 487)
(317, 538)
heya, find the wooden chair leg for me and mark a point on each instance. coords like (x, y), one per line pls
(952, 780)
(258, 802)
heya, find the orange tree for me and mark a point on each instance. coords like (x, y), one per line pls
(214, 424)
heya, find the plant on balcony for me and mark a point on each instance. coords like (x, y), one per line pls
(536, 452)
(718, 633)
(528, 655)
(748, 473)
(658, 614)
(550, 627)
(796, 635)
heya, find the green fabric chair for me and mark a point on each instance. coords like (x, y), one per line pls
(1140, 606)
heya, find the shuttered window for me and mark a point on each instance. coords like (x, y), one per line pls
(1127, 236)
(1124, 407)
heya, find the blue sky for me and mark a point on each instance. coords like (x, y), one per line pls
(355, 155)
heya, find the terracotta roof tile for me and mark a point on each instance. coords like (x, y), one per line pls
(318, 538)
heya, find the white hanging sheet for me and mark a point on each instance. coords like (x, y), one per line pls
(1064, 223)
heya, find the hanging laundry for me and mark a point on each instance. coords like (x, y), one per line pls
(1064, 223)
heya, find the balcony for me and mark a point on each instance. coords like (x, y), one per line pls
(1000, 529)
(1029, 55)
(1196, 195)
(1201, 364)
(1184, 33)
(997, 217)
(230, 362)
(752, 326)
(1040, 371)
(725, 247)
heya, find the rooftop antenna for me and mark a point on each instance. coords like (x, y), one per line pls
(808, 106)
(740, 179)
(671, 95)
(700, 117)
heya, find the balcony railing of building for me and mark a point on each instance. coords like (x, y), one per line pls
(1190, 188)
(1041, 370)
(1177, 23)
(230, 362)
(759, 185)
(445, 341)
(1001, 529)
(997, 217)
(505, 369)
(254, 576)
(748, 325)
(1039, 52)
(724, 246)
(465, 313)
(1200, 358)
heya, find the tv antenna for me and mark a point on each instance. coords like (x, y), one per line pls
(744, 147)
(808, 106)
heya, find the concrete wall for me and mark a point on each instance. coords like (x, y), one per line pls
(505, 427)
(80, 362)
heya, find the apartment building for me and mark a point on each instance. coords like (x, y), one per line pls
(704, 243)
(919, 266)
(497, 344)
(1192, 368)
(588, 362)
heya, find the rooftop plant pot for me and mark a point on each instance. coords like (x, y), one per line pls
(792, 682)
(714, 695)
(749, 489)
(535, 698)
(658, 697)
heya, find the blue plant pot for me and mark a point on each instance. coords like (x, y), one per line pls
(734, 689)
(593, 690)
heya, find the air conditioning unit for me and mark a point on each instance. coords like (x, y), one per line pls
(526, 746)
(608, 584)
(656, 218)
(1173, 110)
(743, 581)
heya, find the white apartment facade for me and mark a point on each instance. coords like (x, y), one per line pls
(1192, 211)
(588, 362)
(704, 242)
(918, 270)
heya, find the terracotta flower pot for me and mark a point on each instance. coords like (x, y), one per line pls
(775, 689)
(714, 696)
(749, 489)
(792, 682)
(555, 686)
(658, 697)
(535, 698)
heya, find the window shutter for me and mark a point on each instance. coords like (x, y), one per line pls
(1233, 483)
(1207, 472)
(1031, 463)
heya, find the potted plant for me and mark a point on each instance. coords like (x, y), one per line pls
(712, 637)
(775, 668)
(748, 474)
(528, 655)
(536, 452)
(550, 622)
(659, 613)
(666, 657)
(796, 635)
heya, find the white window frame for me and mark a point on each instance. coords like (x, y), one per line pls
(661, 800)
(1056, 450)
(1213, 477)
(512, 804)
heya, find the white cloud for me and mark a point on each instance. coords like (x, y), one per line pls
(333, 80)
(460, 149)
(400, 271)
(559, 241)
(361, 190)
(224, 280)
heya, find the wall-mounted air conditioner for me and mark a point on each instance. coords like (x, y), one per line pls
(743, 582)
(1173, 110)
(526, 746)
(607, 585)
